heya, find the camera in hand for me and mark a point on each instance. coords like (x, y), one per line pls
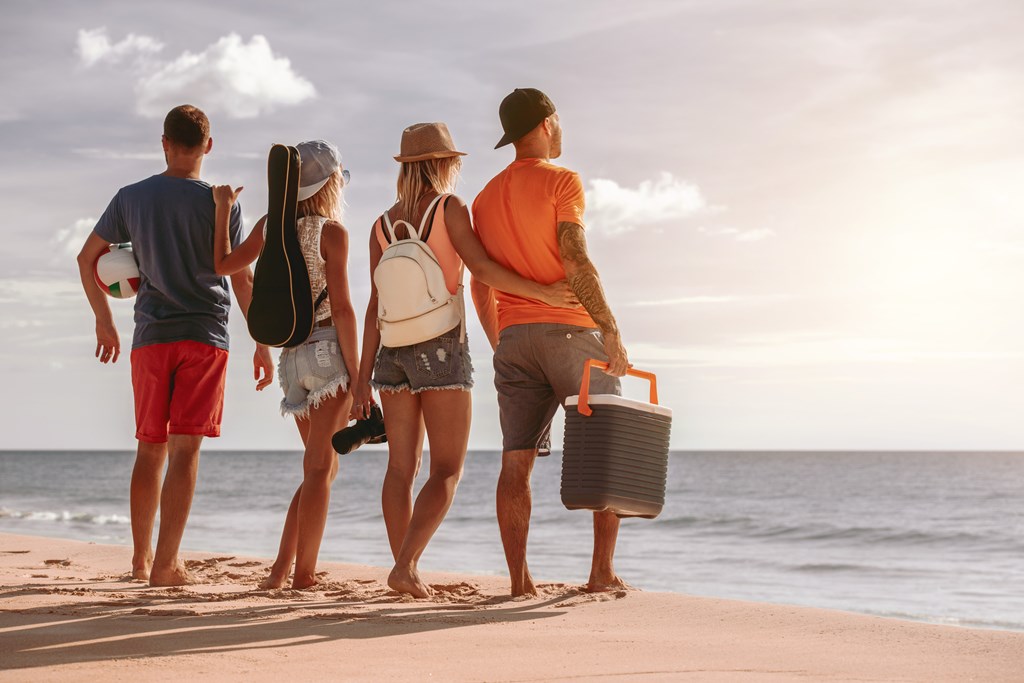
(369, 430)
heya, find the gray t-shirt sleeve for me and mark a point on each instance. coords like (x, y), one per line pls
(111, 225)
(235, 226)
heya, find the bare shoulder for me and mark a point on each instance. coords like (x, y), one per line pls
(454, 201)
(333, 234)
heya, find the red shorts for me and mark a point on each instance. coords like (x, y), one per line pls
(179, 389)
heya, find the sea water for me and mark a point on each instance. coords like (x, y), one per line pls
(935, 537)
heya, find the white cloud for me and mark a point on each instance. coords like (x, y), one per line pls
(615, 209)
(68, 241)
(94, 47)
(242, 80)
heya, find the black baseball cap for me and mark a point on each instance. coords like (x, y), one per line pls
(521, 111)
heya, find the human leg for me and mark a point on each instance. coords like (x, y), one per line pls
(403, 422)
(320, 467)
(602, 571)
(446, 415)
(282, 566)
(144, 500)
(175, 503)
(514, 505)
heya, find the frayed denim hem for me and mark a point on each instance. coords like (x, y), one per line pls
(390, 388)
(315, 398)
(448, 387)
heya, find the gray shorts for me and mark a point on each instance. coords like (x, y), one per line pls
(439, 363)
(536, 367)
(311, 372)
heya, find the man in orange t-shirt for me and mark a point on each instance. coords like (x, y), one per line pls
(530, 220)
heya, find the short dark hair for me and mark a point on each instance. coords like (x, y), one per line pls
(187, 126)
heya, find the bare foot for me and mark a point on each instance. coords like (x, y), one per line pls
(524, 586)
(603, 584)
(407, 580)
(175, 576)
(278, 577)
(272, 582)
(302, 582)
(141, 566)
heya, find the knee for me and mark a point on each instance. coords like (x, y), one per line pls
(319, 475)
(513, 482)
(450, 477)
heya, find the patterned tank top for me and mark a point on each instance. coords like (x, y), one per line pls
(309, 229)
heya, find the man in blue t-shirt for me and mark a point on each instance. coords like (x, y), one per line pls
(180, 346)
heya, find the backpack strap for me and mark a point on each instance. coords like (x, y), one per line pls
(320, 299)
(389, 233)
(430, 223)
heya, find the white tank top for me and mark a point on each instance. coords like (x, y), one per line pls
(309, 229)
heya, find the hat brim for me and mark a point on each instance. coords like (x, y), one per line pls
(310, 190)
(430, 155)
(508, 138)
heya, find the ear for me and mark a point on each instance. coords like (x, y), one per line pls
(165, 143)
(209, 146)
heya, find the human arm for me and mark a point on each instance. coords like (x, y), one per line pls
(262, 362)
(362, 395)
(225, 260)
(334, 249)
(486, 309)
(108, 342)
(585, 282)
(494, 275)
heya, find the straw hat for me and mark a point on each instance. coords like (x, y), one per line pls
(427, 141)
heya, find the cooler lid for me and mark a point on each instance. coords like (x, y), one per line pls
(613, 400)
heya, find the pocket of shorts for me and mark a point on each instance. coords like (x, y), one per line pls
(435, 357)
(324, 358)
(570, 332)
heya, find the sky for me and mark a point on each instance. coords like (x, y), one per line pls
(802, 211)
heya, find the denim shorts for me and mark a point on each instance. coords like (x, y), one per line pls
(311, 372)
(439, 363)
(536, 367)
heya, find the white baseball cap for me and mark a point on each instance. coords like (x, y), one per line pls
(318, 160)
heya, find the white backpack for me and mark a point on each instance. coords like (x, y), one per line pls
(413, 301)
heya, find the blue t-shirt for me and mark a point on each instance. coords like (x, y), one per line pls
(169, 222)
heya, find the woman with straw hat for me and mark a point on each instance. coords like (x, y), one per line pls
(425, 386)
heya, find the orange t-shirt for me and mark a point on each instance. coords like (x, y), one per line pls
(516, 217)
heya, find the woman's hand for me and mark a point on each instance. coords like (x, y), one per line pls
(559, 294)
(223, 195)
(362, 399)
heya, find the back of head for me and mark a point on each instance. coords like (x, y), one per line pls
(187, 126)
(320, 179)
(429, 161)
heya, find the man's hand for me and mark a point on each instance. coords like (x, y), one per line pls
(263, 367)
(108, 343)
(560, 295)
(223, 195)
(618, 362)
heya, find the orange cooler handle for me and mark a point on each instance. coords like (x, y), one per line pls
(584, 407)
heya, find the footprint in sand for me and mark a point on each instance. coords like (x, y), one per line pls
(15, 552)
(251, 563)
(57, 563)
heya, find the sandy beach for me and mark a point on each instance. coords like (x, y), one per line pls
(69, 612)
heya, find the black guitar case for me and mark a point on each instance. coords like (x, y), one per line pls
(281, 311)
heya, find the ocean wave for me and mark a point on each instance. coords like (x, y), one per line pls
(64, 516)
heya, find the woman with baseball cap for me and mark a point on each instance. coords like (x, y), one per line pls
(315, 375)
(425, 386)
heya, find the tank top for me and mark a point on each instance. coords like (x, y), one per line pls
(308, 229)
(439, 242)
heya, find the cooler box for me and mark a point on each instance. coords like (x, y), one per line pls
(615, 454)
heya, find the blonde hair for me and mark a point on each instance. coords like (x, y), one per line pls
(326, 202)
(416, 178)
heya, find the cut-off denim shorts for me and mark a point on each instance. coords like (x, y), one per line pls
(439, 363)
(311, 372)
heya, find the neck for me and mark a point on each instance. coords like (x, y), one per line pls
(184, 169)
(533, 150)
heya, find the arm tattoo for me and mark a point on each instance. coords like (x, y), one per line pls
(583, 278)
